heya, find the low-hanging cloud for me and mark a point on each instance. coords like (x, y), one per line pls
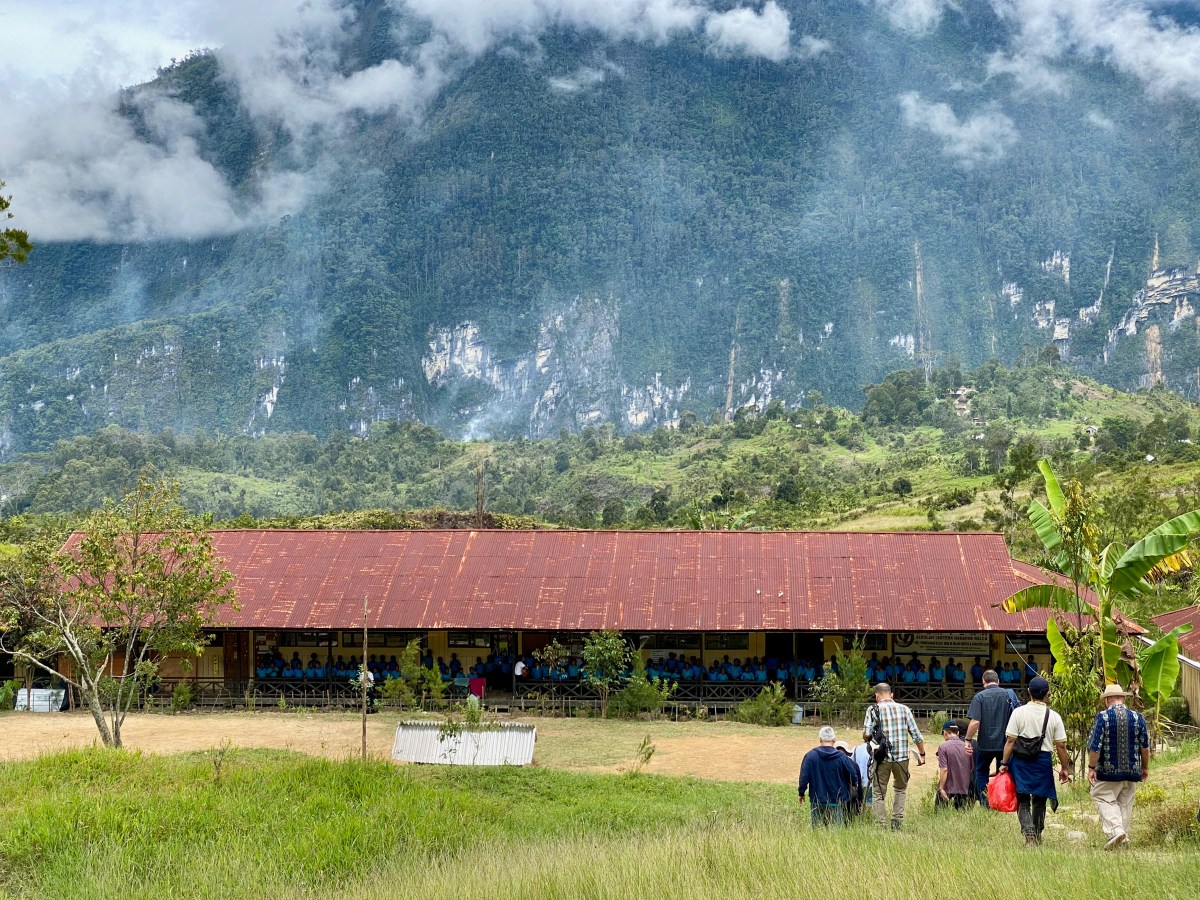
(1127, 34)
(1031, 74)
(84, 172)
(978, 140)
(915, 16)
(767, 34)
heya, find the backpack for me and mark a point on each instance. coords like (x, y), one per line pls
(880, 748)
(1014, 702)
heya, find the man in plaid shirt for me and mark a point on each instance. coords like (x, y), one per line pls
(901, 730)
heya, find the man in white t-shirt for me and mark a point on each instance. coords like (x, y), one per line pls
(1034, 776)
(519, 670)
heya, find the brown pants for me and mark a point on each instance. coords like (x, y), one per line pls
(881, 773)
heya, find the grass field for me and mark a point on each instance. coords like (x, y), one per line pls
(276, 824)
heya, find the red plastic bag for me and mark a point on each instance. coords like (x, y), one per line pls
(1002, 793)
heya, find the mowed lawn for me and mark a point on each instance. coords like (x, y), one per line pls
(271, 823)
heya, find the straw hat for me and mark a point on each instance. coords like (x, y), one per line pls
(1113, 690)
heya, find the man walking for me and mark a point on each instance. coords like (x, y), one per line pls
(1118, 758)
(954, 770)
(831, 780)
(989, 712)
(900, 729)
(1034, 776)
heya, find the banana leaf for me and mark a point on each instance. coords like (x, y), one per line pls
(1042, 596)
(1058, 645)
(1054, 494)
(1160, 665)
(1166, 540)
(1045, 526)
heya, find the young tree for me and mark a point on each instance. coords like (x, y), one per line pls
(606, 658)
(138, 580)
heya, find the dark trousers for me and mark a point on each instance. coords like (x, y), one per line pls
(956, 801)
(983, 766)
(1031, 813)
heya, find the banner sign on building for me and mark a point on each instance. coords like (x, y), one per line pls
(942, 644)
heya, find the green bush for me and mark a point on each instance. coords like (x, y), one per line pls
(1176, 709)
(181, 697)
(8, 694)
(1172, 822)
(640, 694)
(771, 707)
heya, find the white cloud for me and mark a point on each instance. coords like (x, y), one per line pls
(811, 47)
(1127, 34)
(915, 16)
(478, 25)
(983, 138)
(1032, 74)
(1100, 120)
(766, 34)
(83, 171)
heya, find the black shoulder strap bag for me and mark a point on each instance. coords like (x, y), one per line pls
(1031, 748)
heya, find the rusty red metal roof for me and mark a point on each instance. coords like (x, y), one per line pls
(1189, 644)
(630, 580)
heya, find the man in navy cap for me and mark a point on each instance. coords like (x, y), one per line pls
(1034, 776)
(954, 770)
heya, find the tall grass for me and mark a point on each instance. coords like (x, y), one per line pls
(266, 824)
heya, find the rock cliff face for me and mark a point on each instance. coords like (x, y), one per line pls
(569, 379)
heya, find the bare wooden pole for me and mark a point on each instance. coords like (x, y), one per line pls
(363, 680)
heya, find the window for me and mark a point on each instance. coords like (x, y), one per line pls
(375, 639)
(218, 639)
(1028, 643)
(307, 638)
(667, 640)
(733, 641)
(480, 640)
(872, 640)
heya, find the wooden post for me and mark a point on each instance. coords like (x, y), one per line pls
(363, 680)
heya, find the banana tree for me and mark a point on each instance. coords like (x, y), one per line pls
(1112, 574)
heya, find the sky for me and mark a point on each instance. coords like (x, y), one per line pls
(77, 170)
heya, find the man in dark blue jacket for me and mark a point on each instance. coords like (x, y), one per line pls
(831, 780)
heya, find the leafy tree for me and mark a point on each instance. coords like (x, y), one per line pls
(606, 659)
(139, 581)
(14, 243)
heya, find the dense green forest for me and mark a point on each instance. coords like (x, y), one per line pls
(690, 220)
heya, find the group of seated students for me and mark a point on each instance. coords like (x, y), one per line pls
(273, 665)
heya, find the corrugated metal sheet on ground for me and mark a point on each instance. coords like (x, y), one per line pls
(500, 744)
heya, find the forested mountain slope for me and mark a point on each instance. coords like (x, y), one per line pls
(577, 222)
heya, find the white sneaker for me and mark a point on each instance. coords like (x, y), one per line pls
(1116, 841)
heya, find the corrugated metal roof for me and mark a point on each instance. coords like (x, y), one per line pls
(632, 580)
(1189, 643)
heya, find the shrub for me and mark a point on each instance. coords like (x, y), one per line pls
(1172, 822)
(640, 693)
(8, 693)
(181, 696)
(1176, 709)
(771, 707)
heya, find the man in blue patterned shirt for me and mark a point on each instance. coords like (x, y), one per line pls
(1118, 758)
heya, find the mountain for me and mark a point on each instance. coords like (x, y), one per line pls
(587, 220)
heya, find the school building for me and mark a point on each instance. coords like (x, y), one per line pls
(702, 594)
